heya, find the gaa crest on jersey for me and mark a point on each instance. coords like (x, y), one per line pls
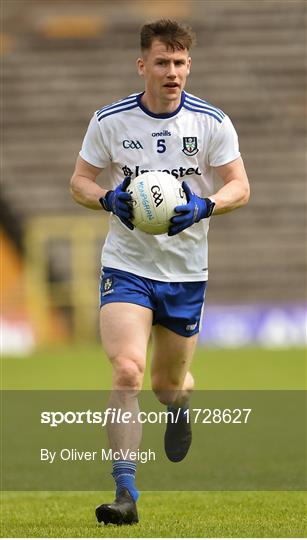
(190, 146)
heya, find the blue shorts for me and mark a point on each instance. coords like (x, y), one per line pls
(177, 306)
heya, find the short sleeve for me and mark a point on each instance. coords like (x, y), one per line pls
(224, 145)
(93, 149)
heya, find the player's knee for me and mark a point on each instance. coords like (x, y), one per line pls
(128, 373)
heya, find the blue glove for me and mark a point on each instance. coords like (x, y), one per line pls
(119, 202)
(196, 209)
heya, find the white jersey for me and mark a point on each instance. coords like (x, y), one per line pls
(187, 143)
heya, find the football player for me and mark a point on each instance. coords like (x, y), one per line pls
(156, 284)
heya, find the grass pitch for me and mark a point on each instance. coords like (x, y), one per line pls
(162, 514)
(87, 368)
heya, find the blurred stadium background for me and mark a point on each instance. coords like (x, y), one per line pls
(61, 60)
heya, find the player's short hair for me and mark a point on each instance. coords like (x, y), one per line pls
(174, 35)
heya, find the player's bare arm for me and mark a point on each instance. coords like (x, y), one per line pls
(235, 191)
(85, 191)
(83, 186)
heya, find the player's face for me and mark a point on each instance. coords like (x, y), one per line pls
(165, 72)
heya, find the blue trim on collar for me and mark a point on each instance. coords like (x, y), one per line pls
(162, 115)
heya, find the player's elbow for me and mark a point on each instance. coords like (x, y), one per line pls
(246, 194)
(73, 188)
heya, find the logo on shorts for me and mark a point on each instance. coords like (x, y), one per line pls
(190, 146)
(107, 286)
(191, 327)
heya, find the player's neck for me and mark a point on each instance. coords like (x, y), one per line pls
(158, 106)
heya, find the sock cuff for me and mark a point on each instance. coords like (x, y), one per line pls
(122, 464)
(124, 476)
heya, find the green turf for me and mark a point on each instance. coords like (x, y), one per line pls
(87, 368)
(170, 514)
(184, 514)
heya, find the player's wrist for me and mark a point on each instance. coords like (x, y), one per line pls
(210, 205)
(206, 206)
(106, 201)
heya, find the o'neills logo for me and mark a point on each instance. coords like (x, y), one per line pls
(178, 173)
(164, 133)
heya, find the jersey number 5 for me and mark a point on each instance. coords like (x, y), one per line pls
(161, 146)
